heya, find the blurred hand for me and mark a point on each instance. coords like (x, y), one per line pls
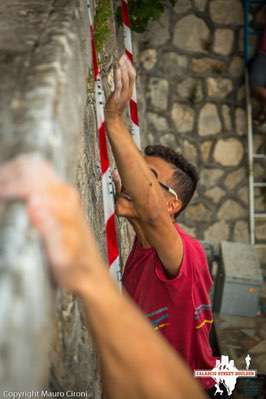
(55, 210)
(124, 80)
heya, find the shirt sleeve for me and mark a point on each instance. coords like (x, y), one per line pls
(160, 269)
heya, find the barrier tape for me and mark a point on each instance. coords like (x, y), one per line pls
(107, 186)
(133, 106)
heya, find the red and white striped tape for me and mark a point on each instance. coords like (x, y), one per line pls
(133, 106)
(107, 186)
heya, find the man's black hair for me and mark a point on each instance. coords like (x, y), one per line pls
(185, 177)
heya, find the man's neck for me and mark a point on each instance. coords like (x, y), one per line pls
(140, 234)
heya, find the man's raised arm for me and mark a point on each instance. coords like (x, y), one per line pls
(137, 178)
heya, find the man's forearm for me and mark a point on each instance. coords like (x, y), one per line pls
(136, 362)
(137, 179)
(153, 210)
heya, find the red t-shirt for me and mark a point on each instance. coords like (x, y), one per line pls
(180, 307)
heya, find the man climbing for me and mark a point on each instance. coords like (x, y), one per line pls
(166, 273)
(136, 362)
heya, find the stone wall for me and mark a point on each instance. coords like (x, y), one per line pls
(191, 70)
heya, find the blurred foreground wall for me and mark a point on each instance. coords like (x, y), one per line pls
(44, 108)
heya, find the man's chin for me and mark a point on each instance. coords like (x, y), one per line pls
(120, 211)
(121, 214)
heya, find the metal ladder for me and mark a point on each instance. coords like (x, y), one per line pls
(252, 157)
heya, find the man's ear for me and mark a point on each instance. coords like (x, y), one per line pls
(174, 206)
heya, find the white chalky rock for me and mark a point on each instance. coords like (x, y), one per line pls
(198, 212)
(183, 117)
(235, 178)
(241, 121)
(228, 152)
(182, 6)
(209, 121)
(207, 65)
(227, 118)
(148, 59)
(172, 64)
(205, 150)
(200, 4)
(223, 41)
(219, 87)
(190, 152)
(162, 26)
(259, 171)
(243, 194)
(157, 122)
(191, 34)
(158, 93)
(231, 210)
(210, 177)
(241, 231)
(259, 202)
(190, 89)
(217, 232)
(261, 231)
(236, 67)
(215, 193)
(226, 12)
(168, 140)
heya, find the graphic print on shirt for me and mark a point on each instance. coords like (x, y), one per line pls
(203, 315)
(159, 317)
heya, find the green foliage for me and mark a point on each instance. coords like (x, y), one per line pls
(141, 12)
(101, 23)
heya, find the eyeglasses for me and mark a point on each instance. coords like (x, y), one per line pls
(169, 189)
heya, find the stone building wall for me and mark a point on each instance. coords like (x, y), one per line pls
(191, 71)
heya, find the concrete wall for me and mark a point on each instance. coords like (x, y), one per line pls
(44, 107)
(191, 71)
(43, 97)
